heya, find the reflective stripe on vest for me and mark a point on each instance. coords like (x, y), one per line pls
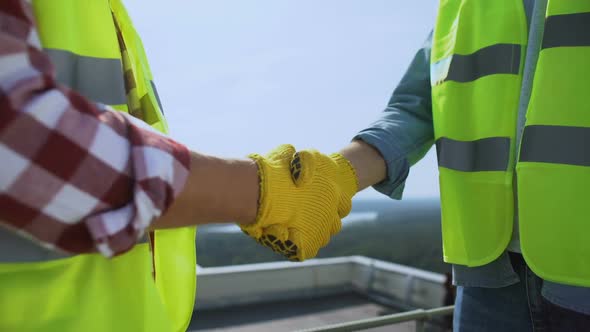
(476, 74)
(97, 79)
(89, 292)
(490, 60)
(556, 145)
(554, 162)
(19, 249)
(567, 30)
(486, 154)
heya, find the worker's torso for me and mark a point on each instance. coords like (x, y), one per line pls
(478, 54)
(47, 292)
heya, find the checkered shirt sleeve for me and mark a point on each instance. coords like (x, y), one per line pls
(74, 175)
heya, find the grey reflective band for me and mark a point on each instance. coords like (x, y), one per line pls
(494, 59)
(98, 79)
(157, 96)
(486, 154)
(18, 249)
(567, 30)
(556, 145)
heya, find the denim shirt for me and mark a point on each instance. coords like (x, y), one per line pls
(404, 133)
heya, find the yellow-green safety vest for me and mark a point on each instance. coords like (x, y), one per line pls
(89, 292)
(477, 61)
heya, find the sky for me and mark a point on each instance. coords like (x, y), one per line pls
(237, 77)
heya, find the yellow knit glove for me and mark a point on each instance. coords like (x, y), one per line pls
(303, 196)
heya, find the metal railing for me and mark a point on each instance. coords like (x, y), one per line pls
(419, 315)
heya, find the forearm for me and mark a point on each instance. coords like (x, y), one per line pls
(383, 152)
(217, 190)
(226, 190)
(367, 161)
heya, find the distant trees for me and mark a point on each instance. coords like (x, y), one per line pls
(406, 233)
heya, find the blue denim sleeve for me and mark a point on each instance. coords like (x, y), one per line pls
(404, 133)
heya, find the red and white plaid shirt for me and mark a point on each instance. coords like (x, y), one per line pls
(74, 175)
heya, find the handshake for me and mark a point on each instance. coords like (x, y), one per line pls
(303, 197)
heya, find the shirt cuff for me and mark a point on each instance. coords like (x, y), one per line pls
(397, 164)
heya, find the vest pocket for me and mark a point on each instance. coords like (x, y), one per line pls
(554, 217)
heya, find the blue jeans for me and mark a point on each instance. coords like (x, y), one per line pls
(519, 307)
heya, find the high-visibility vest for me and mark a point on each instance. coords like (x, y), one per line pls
(477, 61)
(89, 292)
